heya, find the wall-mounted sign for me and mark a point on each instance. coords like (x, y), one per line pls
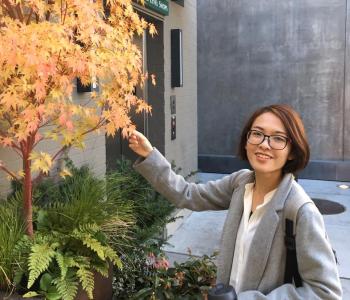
(159, 6)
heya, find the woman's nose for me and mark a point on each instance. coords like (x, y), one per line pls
(265, 143)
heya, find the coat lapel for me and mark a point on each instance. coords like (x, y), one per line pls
(230, 230)
(262, 241)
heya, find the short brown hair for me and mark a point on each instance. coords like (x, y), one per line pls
(296, 132)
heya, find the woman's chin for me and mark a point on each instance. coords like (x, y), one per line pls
(263, 168)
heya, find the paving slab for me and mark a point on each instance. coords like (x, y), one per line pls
(324, 187)
(346, 288)
(200, 233)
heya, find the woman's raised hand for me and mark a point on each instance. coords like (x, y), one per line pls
(140, 144)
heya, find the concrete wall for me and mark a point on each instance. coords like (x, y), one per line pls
(183, 150)
(254, 53)
(93, 155)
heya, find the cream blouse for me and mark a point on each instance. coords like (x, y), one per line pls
(245, 234)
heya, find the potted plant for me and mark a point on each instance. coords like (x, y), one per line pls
(76, 222)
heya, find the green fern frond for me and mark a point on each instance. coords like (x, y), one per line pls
(64, 262)
(22, 248)
(101, 267)
(39, 260)
(67, 287)
(89, 228)
(91, 243)
(78, 261)
(113, 256)
(86, 279)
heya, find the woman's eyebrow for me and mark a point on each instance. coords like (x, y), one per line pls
(275, 132)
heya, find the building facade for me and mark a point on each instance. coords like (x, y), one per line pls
(172, 126)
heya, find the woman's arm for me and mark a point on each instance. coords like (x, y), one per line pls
(214, 195)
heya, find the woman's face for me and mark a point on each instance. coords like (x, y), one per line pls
(262, 157)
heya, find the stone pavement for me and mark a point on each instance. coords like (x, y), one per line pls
(201, 231)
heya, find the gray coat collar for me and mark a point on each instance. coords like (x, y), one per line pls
(262, 240)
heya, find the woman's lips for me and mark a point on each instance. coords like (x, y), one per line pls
(262, 156)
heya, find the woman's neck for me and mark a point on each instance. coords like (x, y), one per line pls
(265, 183)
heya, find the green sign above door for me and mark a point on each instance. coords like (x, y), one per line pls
(159, 6)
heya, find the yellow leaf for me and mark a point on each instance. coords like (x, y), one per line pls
(65, 172)
(41, 162)
(153, 78)
(21, 173)
(152, 30)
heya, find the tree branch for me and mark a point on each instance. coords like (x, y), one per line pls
(19, 12)
(8, 119)
(65, 13)
(9, 8)
(99, 124)
(59, 152)
(29, 16)
(6, 170)
(16, 149)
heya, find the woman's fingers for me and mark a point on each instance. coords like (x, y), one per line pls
(136, 133)
(133, 139)
(139, 143)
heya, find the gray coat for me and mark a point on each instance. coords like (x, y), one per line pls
(264, 273)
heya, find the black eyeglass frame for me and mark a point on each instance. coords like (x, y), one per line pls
(268, 138)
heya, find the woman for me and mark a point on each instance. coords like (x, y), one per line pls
(253, 253)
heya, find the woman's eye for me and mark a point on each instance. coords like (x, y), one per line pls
(257, 134)
(279, 139)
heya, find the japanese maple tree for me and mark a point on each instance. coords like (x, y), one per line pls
(44, 46)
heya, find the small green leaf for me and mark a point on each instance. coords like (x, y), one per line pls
(31, 294)
(45, 282)
(42, 219)
(143, 293)
(53, 296)
(52, 290)
(18, 276)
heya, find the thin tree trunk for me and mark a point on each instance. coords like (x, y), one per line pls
(27, 195)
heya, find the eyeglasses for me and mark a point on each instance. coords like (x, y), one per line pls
(277, 142)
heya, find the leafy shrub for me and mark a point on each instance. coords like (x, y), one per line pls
(76, 224)
(188, 280)
(134, 276)
(12, 229)
(152, 212)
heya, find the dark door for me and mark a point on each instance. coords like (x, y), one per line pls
(152, 126)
